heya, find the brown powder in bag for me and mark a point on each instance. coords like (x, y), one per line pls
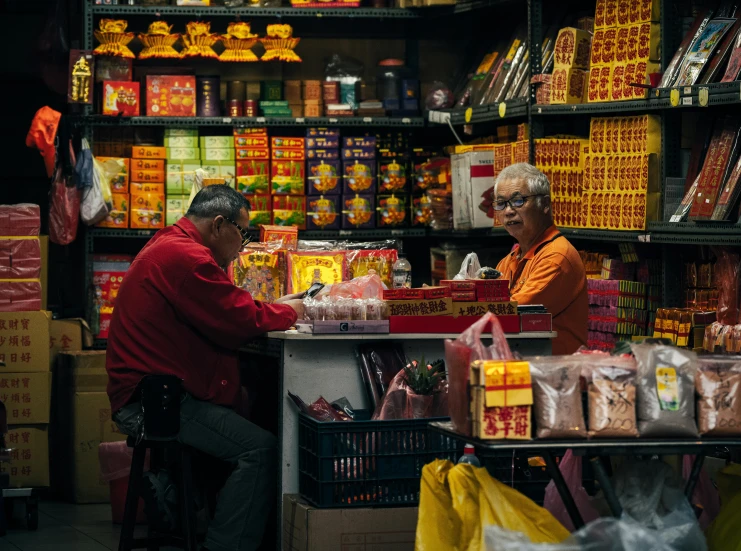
(557, 405)
(612, 405)
(719, 402)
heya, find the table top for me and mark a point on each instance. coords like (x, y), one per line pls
(295, 335)
(635, 446)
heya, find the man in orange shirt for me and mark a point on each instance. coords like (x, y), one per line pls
(543, 268)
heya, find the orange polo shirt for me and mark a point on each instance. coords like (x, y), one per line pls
(551, 273)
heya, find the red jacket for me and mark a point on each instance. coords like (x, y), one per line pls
(177, 313)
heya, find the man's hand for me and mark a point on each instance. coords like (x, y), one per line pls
(297, 305)
(287, 298)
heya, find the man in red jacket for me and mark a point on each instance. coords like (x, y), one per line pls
(177, 313)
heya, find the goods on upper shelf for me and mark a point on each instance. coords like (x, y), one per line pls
(273, 3)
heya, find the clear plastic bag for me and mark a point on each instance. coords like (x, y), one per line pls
(401, 402)
(469, 267)
(666, 390)
(571, 469)
(718, 383)
(611, 395)
(460, 353)
(439, 97)
(557, 403)
(369, 286)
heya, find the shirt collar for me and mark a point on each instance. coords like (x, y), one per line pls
(547, 235)
(189, 229)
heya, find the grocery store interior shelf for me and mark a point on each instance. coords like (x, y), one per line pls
(510, 109)
(217, 11)
(103, 120)
(726, 228)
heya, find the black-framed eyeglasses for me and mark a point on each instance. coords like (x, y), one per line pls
(246, 237)
(514, 202)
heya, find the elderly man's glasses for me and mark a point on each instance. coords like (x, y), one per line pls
(514, 202)
(246, 237)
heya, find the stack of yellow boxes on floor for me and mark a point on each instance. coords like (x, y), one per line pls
(82, 421)
(625, 49)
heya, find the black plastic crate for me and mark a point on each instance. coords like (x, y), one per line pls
(363, 463)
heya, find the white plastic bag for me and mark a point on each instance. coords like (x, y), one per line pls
(469, 267)
(93, 207)
(197, 184)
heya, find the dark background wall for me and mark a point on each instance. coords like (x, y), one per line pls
(33, 73)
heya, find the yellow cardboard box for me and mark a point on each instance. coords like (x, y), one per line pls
(44, 277)
(29, 446)
(67, 336)
(26, 397)
(481, 308)
(24, 341)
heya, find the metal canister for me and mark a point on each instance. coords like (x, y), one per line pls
(207, 92)
(234, 107)
(235, 89)
(250, 108)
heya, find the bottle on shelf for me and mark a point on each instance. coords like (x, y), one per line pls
(469, 456)
(402, 273)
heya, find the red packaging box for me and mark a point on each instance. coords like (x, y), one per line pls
(459, 284)
(253, 153)
(412, 294)
(257, 141)
(20, 219)
(284, 154)
(463, 296)
(20, 258)
(536, 323)
(121, 98)
(447, 324)
(393, 294)
(20, 296)
(436, 292)
(288, 143)
(171, 96)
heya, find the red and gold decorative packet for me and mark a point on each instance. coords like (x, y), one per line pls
(306, 268)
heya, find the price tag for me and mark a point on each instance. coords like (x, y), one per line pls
(345, 233)
(406, 120)
(397, 232)
(260, 120)
(300, 120)
(468, 115)
(674, 97)
(540, 110)
(369, 120)
(702, 97)
(502, 109)
(687, 101)
(333, 121)
(688, 90)
(226, 120)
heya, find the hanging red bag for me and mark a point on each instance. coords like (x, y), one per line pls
(458, 357)
(64, 208)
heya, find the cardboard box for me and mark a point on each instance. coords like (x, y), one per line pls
(121, 98)
(252, 153)
(358, 177)
(306, 528)
(147, 210)
(180, 175)
(44, 276)
(261, 213)
(287, 177)
(568, 85)
(118, 216)
(146, 164)
(148, 152)
(182, 153)
(175, 208)
(289, 210)
(148, 176)
(358, 211)
(572, 49)
(218, 154)
(288, 154)
(26, 397)
(392, 211)
(24, 341)
(323, 177)
(66, 335)
(181, 141)
(323, 213)
(535, 322)
(220, 169)
(171, 96)
(20, 295)
(481, 308)
(139, 188)
(20, 258)
(253, 177)
(29, 467)
(435, 307)
(252, 142)
(323, 142)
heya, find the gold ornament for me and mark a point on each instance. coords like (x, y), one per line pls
(113, 40)
(279, 44)
(158, 42)
(81, 75)
(238, 42)
(199, 40)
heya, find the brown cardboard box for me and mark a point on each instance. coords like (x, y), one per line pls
(81, 422)
(24, 341)
(26, 397)
(44, 277)
(306, 528)
(29, 467)
(67, 336)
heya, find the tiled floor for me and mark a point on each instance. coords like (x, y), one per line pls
(65, 527)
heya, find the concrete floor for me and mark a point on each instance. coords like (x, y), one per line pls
(65, 527)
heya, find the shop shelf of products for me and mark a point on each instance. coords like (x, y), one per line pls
(250, 12)
(510, 109)
(103, 120)
(633, 106)
(571, 233)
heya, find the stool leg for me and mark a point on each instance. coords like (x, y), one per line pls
(187, 501)
(126, 541)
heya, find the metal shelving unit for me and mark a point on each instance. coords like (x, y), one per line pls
(251, 12)
(506, 110)
(370, 122)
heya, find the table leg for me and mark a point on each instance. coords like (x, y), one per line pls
(604, 481)
(563, 490)
(689, 489)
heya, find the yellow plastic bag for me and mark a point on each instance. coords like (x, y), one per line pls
(724, 534)
(457, 501)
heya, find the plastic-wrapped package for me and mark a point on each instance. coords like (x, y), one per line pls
(401, 402)
(439, 97)
(718, 383)
(666, 390)
(469, 267)
(321, 410)
(557, 403)
(379, 363)
(20, 219)
(727, 280)
(460, 353)
(611, 397)
(368, 286)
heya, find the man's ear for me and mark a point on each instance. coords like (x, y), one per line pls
(216, 225)
(546, 204)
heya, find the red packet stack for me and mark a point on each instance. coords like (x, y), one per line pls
(20, 258)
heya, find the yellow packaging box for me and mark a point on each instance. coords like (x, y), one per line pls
(44, 277)
(645, 10)
(118, 216)
(26, 397)
(29, 466)
(572, 49)
(67, 335)
(24, 341)
(649, 42)
(568, 85)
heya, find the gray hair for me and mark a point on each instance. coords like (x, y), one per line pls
(537, 182)
(213, 201)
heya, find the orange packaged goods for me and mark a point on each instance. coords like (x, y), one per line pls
(118, 216)
(282, 237)
(151, 176)
(148, 152)
(139, 187)
(145, 164)
(147, 210)
(171, 96)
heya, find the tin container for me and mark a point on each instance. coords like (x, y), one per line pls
(234, 106)
(207, 96)
(250, 108)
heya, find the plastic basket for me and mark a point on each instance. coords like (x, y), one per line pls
(365, 463)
